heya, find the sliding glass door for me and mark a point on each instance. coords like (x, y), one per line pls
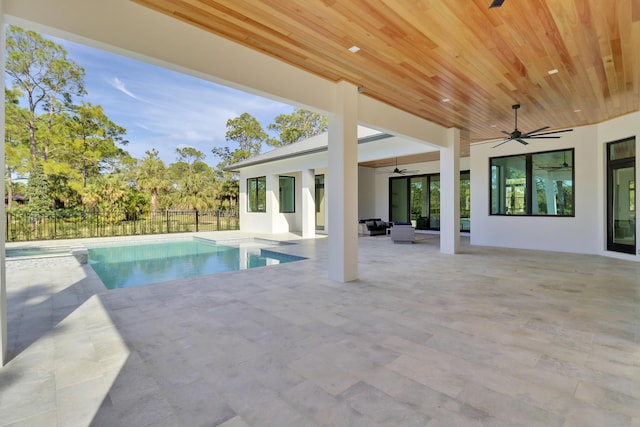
(621, 196)
(398, 200)
(416, 199)
(419, 198)
(319, 202)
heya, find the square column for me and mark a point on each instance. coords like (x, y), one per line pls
(450, 193)
(273, 204)
(343, 175)
(308, 203)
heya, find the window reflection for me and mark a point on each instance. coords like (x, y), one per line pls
(533, 184)
(553, 177)
(508, 185)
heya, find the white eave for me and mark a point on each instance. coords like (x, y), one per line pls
(315, 144)
(372, 145)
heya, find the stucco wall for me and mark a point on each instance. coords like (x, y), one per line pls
(366, 193)
(584, 233)
(272, 221)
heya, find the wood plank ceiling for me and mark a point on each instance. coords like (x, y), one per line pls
(456, 62)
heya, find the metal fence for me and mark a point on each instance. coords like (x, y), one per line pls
(23, 225)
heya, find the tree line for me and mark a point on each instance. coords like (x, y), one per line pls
(63, 152)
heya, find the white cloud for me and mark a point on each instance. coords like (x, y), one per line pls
(119, 85)
(175, 109)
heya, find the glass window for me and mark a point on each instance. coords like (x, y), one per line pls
(417, 199)
(465, 201)
(553, 177)
(257, 194)
(287, 194)
(623, 150)
(320, 209)
(621, 196)
(398, 200)
(533, 184)
(434, 202)
(508, 185)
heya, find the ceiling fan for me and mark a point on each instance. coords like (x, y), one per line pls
(496, 3)
(398, 171)
(517, 135)
(558, 167)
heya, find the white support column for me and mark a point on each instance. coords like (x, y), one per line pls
(3, 230)
(450, 193)
(343, 176)
(273, 203)
(308, 204)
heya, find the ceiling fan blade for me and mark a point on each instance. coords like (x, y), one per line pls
(535, 131)
(543, 137)
(522, 141)
(554, 131)
(496, 3)
(503, 142)
(506, 133)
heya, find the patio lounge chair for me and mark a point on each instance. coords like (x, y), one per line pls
(402, 232)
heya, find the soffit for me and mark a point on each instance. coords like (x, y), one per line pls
(415, 53)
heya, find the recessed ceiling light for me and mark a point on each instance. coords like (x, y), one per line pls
(354, 49)
(493, 126)
(554, 71)
(577, 110)
(445, 100)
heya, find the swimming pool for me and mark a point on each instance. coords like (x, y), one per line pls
(143, 263)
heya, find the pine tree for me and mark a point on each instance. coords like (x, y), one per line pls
(37, 191)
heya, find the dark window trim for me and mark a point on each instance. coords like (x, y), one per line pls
(280, 193)
(255, 196)
(529, 189)
(428, 176)
(611, 166)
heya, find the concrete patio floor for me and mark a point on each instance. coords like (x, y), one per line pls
(489, 337)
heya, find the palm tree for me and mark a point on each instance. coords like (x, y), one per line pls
(195, 192)
(151, 177)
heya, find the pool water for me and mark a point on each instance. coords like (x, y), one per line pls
(128, 265)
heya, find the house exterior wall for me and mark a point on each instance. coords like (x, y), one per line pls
(272, 221)
(584, 233)
(366, 193)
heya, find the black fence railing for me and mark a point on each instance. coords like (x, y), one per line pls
(23, 225)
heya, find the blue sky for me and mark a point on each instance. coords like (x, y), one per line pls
(163, 109)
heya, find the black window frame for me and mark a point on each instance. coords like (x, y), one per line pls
(528, 195)
(431, 223)
(612, 165)
(293, 193)
(256, 194)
